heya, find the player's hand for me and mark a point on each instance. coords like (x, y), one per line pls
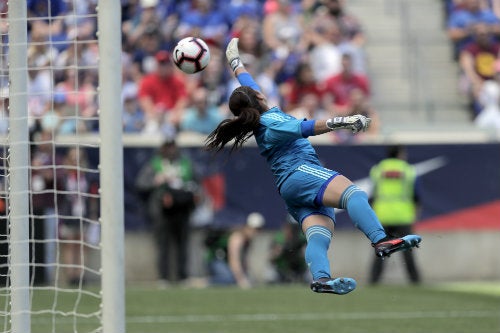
(361, 124)
(233, 55)
(356, 123)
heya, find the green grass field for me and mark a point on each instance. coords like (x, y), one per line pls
(292, 309)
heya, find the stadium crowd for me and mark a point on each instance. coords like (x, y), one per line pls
(308, 55)
(473, 28)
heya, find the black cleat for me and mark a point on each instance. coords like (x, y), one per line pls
(338, 286)
(389, 245)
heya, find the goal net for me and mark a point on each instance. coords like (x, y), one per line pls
(61, 219)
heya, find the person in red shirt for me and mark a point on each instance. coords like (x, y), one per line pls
(477, 64)
(162, 95)
(301, 85)
(339, 86)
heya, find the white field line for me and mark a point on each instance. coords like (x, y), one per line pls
(312, 316)
(291, 317)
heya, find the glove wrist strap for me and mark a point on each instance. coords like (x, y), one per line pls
(336, 123)
(235, 64)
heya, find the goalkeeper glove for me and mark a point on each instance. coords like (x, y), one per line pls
(233, 55)
(356, 123)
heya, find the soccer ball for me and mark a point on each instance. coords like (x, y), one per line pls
(191, 55)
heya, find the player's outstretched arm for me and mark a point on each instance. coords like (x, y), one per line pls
(356, 123)
(233, 57)
(239, 71)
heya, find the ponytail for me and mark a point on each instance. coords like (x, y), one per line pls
(244, 105)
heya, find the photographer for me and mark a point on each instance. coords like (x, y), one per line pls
(168, 179)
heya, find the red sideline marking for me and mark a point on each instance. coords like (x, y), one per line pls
(483, 217)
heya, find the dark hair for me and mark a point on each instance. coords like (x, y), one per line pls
(246, 108)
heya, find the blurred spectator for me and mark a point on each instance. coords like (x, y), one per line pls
(169, 181)
(265, 78)
(48, 18)
(350, 26)
(353, 38)
(325, 55)
(75, 209)
(201, 117)
(287, 254)
(133, 116)
(281, 26)
(309, 107)
(237, 9)
(45, 181)
(477, 63)
(283, 39)
(163, 96)
(202, 18)
(303, 83)
(80, 97)
(489, 117)
(4, 110)
(307, 12)
(339, 86)
(81, 53)
(54, 119)
(227, 252)
(213, 77)
(145, 20)
(41, 55)
(461, 20)
(249, 32)
(143, 53)
(4, 236)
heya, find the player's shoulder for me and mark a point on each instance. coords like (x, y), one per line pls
(275, 114)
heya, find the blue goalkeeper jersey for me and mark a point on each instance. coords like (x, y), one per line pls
(281, 142)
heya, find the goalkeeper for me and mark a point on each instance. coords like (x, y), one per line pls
(311, 191)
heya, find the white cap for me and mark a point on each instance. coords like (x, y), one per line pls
(149, 3)
(4, 92)
(255, 220)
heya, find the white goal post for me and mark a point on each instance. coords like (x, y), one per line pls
(80, 307)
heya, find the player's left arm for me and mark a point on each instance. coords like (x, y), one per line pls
(356, 123)
(239, 71)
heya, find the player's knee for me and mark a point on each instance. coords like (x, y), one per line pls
(352, 194)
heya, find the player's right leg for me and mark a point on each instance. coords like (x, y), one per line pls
(342, 193)
(388, 245)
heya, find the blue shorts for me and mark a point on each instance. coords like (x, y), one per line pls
(301, 188)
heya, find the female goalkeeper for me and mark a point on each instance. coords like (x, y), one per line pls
(311, 191)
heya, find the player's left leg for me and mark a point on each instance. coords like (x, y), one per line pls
(318, 230)
(342, 193)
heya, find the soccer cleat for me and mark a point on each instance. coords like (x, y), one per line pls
(356, 123)
(338, 286)
(389, 245)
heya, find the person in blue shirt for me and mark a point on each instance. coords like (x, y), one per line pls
(310, 191)
(202, 116)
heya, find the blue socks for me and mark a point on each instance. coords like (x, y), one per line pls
(318, 242)
(355, 201)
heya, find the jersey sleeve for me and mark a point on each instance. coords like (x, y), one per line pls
(246, 79)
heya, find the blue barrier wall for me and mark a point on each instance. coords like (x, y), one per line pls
(453, 177)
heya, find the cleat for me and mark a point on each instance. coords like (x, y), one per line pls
(389, 245)
(338, 286)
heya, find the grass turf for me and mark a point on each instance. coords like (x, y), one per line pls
(288, 309)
